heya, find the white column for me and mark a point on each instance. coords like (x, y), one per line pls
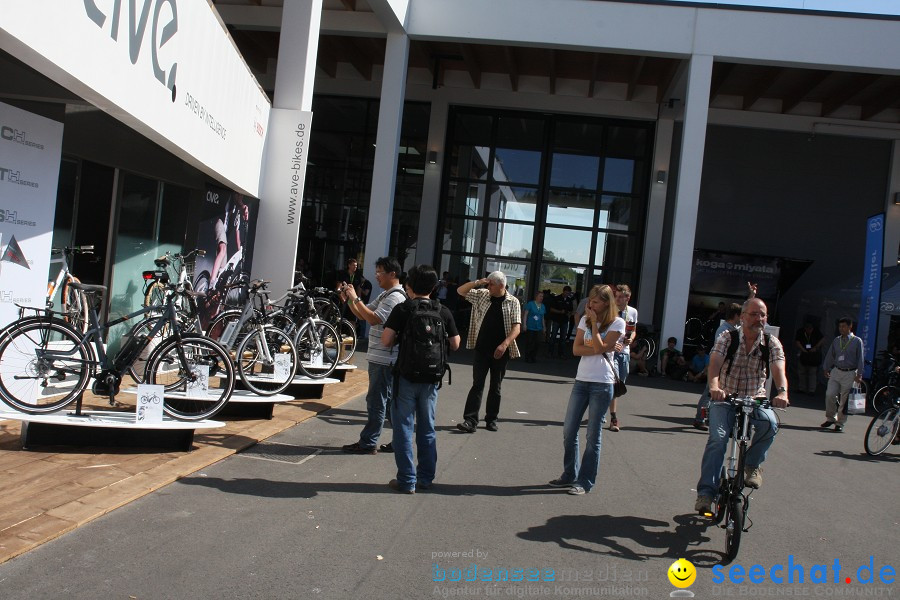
(431, 188)
(298, 48)
(656, 213)
(387, 141)
(891, 238)
(283, 173)
(687, 197)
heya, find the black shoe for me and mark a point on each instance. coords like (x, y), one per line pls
(395, 485)
(701, 426)
(491, 425)
(826, 424)
(355, 448)
(389, 447)
(466, 427)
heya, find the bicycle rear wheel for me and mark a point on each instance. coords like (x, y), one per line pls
(267, 377)
(882, 431)
(734, 528)
(318, 348)
(197, 375)
(347, 334)
(38, 385)
(884, 398)
(692, 330)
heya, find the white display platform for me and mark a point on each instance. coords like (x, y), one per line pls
(246, 396)
(105, 418)
(106, 428)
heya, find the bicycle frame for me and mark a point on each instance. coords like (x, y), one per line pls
(248, 315)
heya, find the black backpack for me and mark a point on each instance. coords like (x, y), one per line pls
(733, 346)
(424, 345)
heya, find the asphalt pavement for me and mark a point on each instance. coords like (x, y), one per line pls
(294, 517)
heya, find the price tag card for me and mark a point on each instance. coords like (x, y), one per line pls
(315, 358)
(199, 387)
(282, 366)
(149, 404)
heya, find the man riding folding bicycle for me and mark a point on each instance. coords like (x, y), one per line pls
(741, 366)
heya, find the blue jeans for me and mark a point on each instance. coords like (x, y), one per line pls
(721, 420)
(381, 380)
(413, 410)
(595, 398)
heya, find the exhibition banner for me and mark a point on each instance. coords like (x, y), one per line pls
(30, 149)
(166, 68)
(718, 273)
(867, 329)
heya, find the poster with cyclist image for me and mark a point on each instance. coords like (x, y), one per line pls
(30, 148)
(226, 229)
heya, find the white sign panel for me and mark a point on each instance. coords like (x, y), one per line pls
(166, 68)
(30, 148)
(149, 404)
(199, 386)
(281, 196)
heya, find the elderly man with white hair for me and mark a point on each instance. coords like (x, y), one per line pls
(493, 329)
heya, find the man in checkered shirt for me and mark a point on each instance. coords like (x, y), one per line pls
(493, 328)
(746, 376)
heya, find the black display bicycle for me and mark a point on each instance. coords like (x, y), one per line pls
(731, 504)
(884, 429)
(45, 364)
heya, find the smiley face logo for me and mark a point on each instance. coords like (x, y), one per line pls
(682, 573)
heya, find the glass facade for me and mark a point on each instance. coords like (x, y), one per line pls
(551, 200)
(339, 182)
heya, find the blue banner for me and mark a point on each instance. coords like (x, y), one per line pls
(871, 289)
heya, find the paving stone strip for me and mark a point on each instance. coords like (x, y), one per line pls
(48, 491)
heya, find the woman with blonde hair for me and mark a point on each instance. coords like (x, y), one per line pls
(599, 333)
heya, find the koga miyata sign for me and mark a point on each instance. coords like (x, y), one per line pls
(167, 68)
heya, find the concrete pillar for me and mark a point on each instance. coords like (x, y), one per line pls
(387, 141)
(687, 197)
(431, 188)
(283, 173)
(656, 213)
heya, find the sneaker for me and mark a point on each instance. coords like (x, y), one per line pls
(389, 447)
(561, 483)
(614, 425)
(576, 490)
(703, 505)
(466, 426)
(839, 428)
(753, 477)
(424, 485)
(355, 448)
(395, 485)
(491, 425)
(826, 424)
(701, 426)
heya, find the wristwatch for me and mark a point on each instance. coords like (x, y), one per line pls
(782, 389)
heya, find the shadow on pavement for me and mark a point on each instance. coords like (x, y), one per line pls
(608, 535)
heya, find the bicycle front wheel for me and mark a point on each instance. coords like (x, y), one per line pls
(267, 363)
(882, 431)
(885, 398)
(734, 528)
(318, 348)
(34, 383)
(721, 499)
(197, 375)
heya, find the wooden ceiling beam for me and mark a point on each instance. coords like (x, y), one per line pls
(473, 66)
(800, 93)
(665, 82)
(721, 71)
(552, 73)
(761, 86)
(880, 102)
(348, 4)
(856, 86)
(636, 72)
(595, 67)
(513, 66)
(326, 57)
(358, 59)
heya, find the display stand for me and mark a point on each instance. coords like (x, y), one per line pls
(244, 403)
(307, 388)
(105, 428)
(339, 373)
